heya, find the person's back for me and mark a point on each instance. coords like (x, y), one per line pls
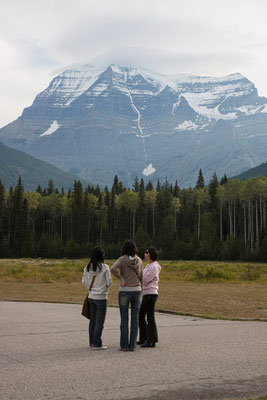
(101, 284)
(131, 272)
(129, 269)
(96, 277)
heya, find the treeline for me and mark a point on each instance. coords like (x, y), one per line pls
(223, 220)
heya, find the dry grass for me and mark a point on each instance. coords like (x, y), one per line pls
(216, 290)
(257, 398)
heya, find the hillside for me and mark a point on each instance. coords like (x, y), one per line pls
(260, 170)
(33, 171)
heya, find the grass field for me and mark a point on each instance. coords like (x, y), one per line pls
(210, 289)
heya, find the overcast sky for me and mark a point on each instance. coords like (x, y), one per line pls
(202, 37)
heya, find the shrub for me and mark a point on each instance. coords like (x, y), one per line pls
(252, 273)
(211, 274)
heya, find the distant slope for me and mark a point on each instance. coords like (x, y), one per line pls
(33, 171)
(260, 170)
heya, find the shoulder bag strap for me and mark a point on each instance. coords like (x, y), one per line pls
(93, 280)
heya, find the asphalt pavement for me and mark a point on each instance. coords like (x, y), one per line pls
(44, 355)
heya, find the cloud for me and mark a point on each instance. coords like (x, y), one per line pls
(207, 37)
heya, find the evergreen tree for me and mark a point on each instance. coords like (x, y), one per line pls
(77, 212)
(97, 191)
(141, 210)
(10, 217)
(176, 189)
(167, 198)
(107, 196)
(121, 188)
(116, 185)
(149, 186)
(51, 187)
(19, 218)
(39, 190)
(226, 221)
(213, 185)
(224, 180)
(136, 185)
(2, 214)
(200, 180)
(142, 240)
(112, 212)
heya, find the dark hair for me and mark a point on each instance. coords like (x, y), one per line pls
(153, 252)
(129, 248)
(96, 259)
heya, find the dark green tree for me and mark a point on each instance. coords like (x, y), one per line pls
(77, 212)
(51, 187)
(224, 180)
(200, 180)
(141, 210)
(213, 185)
(149, 186)
(116, 185)
(136, 185)
(176, 189)
(39, 190)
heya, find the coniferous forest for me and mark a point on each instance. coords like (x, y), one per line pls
(223, 220)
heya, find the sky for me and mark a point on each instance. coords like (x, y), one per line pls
(39, 38)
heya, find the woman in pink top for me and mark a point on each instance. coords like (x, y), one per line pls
(147, 323)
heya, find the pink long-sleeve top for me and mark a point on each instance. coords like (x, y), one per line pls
(151, 278)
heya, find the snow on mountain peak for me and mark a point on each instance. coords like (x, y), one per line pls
(204, 94)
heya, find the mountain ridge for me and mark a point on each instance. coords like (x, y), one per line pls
(259, 170)
(131, 121)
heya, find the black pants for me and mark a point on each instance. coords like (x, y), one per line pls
(98, 310)
(147, 323)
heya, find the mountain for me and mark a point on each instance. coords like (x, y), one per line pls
(260, 170)
(100, 121)
(33, 171)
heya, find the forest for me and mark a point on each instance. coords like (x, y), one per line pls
(223, 220)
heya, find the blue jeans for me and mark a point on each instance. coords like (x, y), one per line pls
(98, 309)
(126, 299)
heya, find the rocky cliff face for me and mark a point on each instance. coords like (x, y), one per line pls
(98, 122)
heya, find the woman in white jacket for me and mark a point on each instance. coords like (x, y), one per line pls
(98, 273)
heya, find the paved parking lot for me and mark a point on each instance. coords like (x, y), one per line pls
(44, 355)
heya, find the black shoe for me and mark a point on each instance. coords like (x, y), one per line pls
(140, 342)
(147, 344)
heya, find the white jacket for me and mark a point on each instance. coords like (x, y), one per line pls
(101, 284)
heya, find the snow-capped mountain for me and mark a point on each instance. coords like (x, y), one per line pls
(100, 121)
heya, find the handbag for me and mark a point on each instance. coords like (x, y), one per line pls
(86, 306)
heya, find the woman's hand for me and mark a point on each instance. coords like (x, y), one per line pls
(123, 283)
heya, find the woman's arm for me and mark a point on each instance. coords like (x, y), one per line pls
(86, 279)
(108, 277)
(114, 269)
(141, 275)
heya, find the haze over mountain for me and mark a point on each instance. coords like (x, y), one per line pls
(98, 121)
(32, 171)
